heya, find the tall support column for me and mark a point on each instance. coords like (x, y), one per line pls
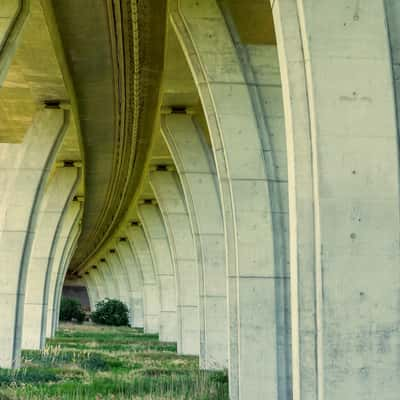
(25, 176)
(109, 278)
(63, 271)
(136, 282)
(13, 14)
(342, 139)
(153, 227)
(59, 192)
(92, 290)
(231, 93)
(195, 166)
(70, 219)
(151, 287)
(103, 284)
(98, 282)
(121, 275)
(170, 198)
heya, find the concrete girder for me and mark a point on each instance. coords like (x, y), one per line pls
(165, 185)
(59, 192)
(151, 288)
(153, 227)
(24, 168)
(196, 170)
(136, 283)
(69, 220)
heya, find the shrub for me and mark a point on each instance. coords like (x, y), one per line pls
(111, 312)
(70, 310)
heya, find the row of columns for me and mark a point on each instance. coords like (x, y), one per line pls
(304, 142)
(37, 223)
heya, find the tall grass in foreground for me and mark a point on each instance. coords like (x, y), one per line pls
(99, 363)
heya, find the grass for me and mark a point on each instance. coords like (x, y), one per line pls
(104, 363)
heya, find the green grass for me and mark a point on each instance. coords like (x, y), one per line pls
(88, 362)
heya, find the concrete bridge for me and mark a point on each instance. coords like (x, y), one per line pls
(229, 169)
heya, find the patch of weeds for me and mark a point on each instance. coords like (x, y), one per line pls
(85, 363)
(100, 362)
(28, 375)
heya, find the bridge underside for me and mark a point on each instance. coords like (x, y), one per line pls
(227, 169)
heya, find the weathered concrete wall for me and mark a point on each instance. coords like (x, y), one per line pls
(13, 14)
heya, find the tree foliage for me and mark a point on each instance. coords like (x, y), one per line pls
(110, 312)
(71, 310)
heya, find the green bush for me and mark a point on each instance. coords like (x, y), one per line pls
(110, 312)
(71, 310)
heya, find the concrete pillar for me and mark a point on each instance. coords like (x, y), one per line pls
(121, 276)
(98, 282)
(70, 219)
(252, 196)
(151, 289)
(55, 201)
(342, 139)
(154, 230)
(109, 278)
(104, 287)
(136, 282)
(24, 168)
(170, 198)
(13, 14)
(63, 271)
(195, 166)
(91, 288)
